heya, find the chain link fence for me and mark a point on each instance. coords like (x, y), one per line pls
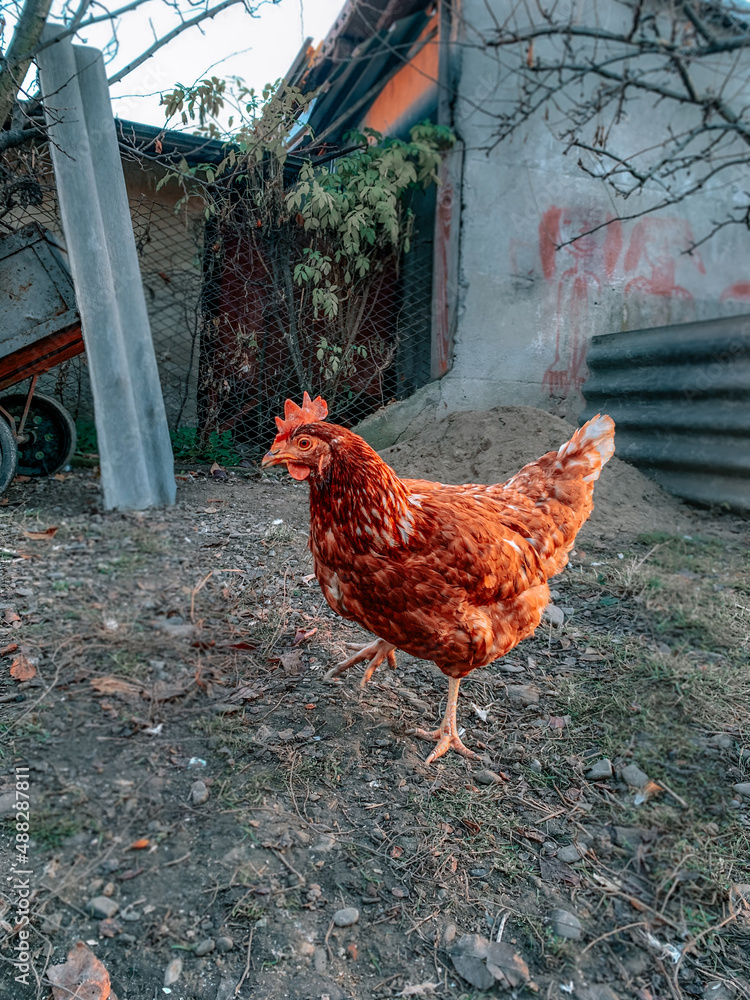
(220, 319)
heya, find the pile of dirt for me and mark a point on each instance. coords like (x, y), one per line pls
(490, 446)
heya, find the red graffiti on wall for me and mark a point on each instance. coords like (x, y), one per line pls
(740, 291)
(590, 259)
(655, 247)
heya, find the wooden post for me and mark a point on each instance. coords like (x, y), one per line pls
(445, 272)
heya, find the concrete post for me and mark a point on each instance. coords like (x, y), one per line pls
(137, 465)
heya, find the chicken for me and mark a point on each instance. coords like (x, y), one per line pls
(453, 574)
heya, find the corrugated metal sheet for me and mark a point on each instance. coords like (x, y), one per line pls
(680, 396)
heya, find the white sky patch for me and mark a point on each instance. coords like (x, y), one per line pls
(259, 49)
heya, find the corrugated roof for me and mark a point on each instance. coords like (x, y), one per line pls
(367, 45)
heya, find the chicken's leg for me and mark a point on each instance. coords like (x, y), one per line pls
(375, 652)
(447, 735)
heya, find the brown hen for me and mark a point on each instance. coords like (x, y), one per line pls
(453, 574)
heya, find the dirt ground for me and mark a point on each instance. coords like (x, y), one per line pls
(202, 802)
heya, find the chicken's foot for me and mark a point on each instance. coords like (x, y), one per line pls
(375, 652)
(446, 736)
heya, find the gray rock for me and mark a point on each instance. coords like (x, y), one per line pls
(554, 615)
(7, 804)
(325, 844)
(226, 990)
(102, 907)
(173, 971)
(198, 793)
(634, 776)
(602, 769)
(487, 778)
(52, 922)
(743, 788)
(565, 924)
(535, 766)
(320, 961)
(224, 944)
(346, 917)
(721, 740)
(205, 947)
(523, 693)
(716, 990)
(628, 836)
(569, 854)
(596, 991)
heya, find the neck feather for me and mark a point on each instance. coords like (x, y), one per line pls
(360, 497)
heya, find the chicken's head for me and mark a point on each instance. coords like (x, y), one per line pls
(302, 452)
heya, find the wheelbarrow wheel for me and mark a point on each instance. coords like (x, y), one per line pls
(49, 432)
(8, 456)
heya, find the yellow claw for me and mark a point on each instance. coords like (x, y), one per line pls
(446, 736)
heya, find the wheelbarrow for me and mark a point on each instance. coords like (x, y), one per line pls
(39, 328)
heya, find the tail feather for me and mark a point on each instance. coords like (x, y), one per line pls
(589, 450)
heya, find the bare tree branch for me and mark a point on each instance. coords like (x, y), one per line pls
(15, 65)
(584, 77)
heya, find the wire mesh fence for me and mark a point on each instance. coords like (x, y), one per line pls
(232, 341)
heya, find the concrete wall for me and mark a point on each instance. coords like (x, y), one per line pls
(527, 312)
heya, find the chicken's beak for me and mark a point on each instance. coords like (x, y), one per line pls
(273, 458)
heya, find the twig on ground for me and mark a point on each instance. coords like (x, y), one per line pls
(248, 962)
(617, 930)
(195, 593)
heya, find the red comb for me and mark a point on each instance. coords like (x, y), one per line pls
(294, 416)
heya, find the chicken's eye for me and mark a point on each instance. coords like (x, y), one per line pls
(304, 443)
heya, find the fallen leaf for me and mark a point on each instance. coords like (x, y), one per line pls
(110, 685)
(506, 965)
(22, 669)
(396, 851)
(165, 691)
(22, 479)
(139, 845)
(130, 873)
(290, 659)
(11, 618)
(10, 648)
(530, 834)
(109, 927)
(418, 989)
(39, 536)
(302, 635)
(649, 791)
(557, 722)
(173, 971)
(246, 693)
(82, 976)
(248, 646)
(553, 870)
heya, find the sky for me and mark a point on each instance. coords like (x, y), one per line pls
(259, 49)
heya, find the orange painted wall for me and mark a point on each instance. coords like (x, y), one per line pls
(412, 85)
